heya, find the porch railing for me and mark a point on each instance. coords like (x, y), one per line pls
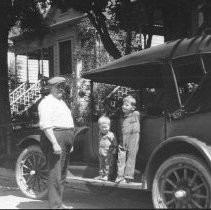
(17, 92)
(26, 98)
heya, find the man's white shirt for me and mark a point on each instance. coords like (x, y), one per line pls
(54, 113)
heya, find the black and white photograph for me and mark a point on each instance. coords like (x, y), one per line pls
(105, 104)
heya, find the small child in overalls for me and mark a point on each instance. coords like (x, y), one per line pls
(128, 134)
(107, 148)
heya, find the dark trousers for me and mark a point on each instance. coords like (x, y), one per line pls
(57, 165)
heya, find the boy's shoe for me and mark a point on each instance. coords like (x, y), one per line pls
(98, 177)
(123, 181)
(105, 178)
(119, 179)
(128, 180)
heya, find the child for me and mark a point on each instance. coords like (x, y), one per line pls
(128, 132)
(107, 148)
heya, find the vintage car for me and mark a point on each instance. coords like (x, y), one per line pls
(174, 158)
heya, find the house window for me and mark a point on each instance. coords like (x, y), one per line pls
(65, 57)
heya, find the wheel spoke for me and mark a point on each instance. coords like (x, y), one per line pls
(30, 163)
(170, 202)
(199, 196)
(193, 179)
(170, 182)
(25, 174)
(197, 187)
(38, 161)
(43, 177)
(34, 160)
(29, 179)
(38, 184)
(34, 182)
(177, 176)
(44, 170)
(196, 204)
(43, 164)
(185, 173)
(168, 192)
(44, 181)
(25, 166)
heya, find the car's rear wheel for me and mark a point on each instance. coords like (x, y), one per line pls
(31, 172)
(182, 181)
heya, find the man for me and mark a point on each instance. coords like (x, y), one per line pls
(57, 125)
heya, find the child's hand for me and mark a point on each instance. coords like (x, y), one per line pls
(71, 149)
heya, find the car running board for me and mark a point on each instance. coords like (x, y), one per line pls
(79, 182)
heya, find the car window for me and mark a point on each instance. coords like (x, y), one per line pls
(189, 72)
(200, 100)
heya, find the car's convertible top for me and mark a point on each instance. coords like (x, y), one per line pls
(143, 68)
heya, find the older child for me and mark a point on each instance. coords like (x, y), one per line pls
(107, 148)
(128, 133)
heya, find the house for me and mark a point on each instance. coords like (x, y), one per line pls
(38, 58)
(55, 49)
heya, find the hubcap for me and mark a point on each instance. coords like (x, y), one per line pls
(32, 172)
(180, 194)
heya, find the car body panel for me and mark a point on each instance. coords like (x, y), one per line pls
(175, 145)
(196, 125)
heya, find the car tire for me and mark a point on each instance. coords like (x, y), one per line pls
(182, 181)
(31, 173)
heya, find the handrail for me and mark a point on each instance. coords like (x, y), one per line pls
(26, 92)
(16, 89)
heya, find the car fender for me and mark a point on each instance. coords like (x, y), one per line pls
(172, 146)
(35, 139)
(29, 140)
(80, 131)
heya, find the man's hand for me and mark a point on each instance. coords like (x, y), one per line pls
(57, 149)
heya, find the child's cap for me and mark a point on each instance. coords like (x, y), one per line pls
(130, 99)
(104, 120)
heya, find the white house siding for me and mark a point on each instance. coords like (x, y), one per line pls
(157, 40)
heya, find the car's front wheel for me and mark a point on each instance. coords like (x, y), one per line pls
(31, 172)
(182, 181)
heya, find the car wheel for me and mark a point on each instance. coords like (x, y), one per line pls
(31, 172)
(182, 181)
